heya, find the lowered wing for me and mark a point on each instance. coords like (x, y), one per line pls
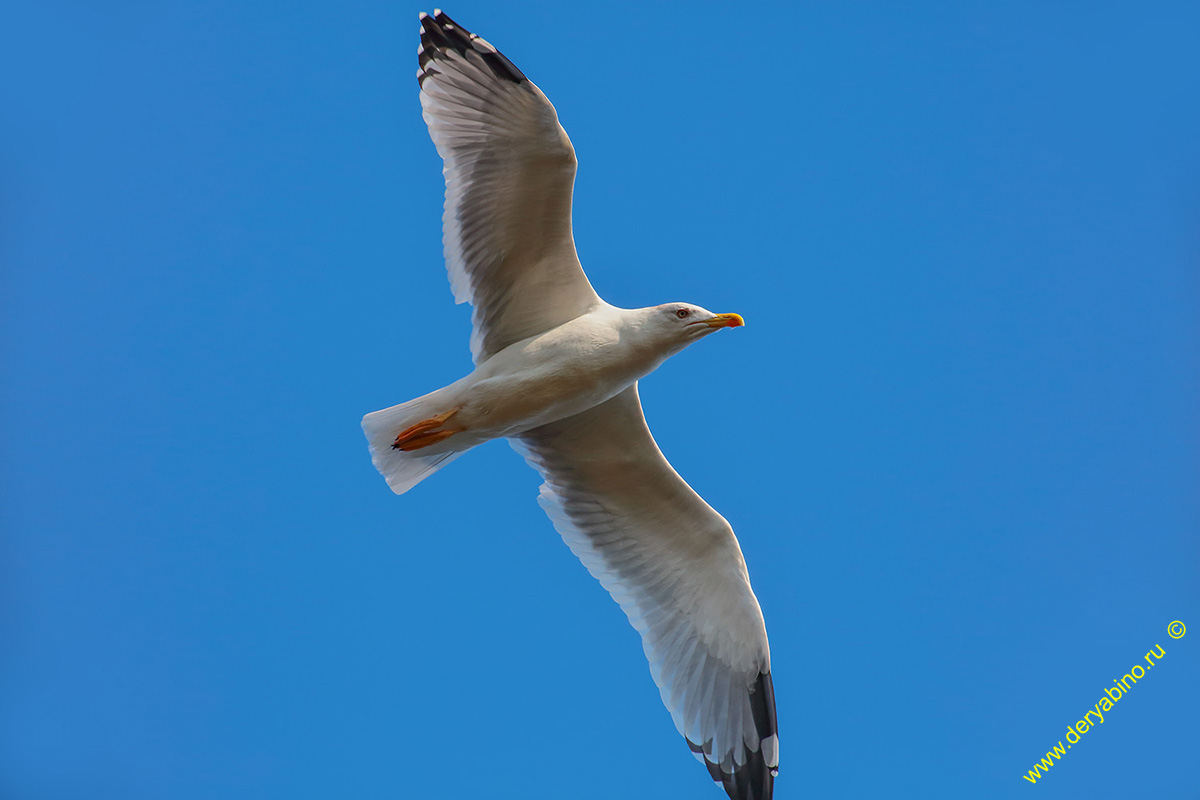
(675, 567)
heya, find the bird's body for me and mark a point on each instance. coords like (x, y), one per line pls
(556, 373)
(568, 369)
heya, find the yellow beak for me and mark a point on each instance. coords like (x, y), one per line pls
(725, 321)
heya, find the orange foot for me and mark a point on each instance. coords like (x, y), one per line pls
(425, 433)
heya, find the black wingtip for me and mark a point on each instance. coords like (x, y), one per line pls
(755, 779)
(762, 706)
(441, 35)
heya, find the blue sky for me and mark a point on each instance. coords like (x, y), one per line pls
(957, 437)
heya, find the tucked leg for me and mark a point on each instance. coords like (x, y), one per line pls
(424, 440)
(425, 432)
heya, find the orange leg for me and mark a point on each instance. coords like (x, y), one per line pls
(425, 432)
(424, 440)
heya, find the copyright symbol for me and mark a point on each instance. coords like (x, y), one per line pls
(1176, 629)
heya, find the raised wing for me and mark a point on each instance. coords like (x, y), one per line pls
(509, 170)
(675, 567)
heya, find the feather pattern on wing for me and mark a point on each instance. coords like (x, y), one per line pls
(675, 567)
(509, 170)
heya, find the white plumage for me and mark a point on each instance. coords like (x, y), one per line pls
(556, 372)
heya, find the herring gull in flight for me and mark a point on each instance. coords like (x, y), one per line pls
(556, 372)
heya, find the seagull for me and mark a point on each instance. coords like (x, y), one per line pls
(556, 373)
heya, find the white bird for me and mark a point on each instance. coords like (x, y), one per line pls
(556, 371)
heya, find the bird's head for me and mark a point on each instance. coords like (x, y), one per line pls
(683, 323)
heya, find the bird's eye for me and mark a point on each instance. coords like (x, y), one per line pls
(683, 313)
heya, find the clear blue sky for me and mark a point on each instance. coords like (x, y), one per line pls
(958, 437)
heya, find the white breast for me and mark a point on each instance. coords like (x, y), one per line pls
(554, 375)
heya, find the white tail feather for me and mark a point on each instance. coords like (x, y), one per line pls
(404, 470)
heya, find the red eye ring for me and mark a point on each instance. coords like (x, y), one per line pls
(683, 313)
